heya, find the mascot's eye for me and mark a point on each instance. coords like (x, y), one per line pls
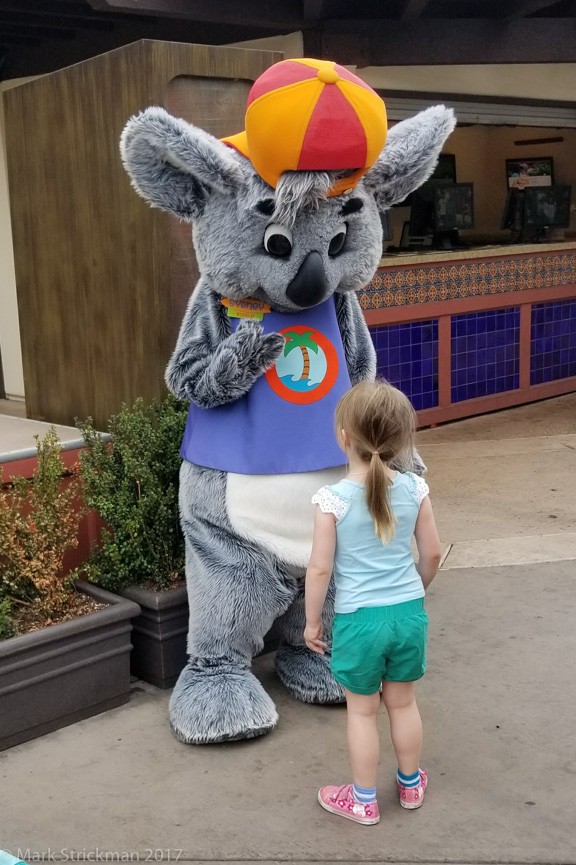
(278, 240)
(353, 205)
(338, 241)
(266, 206)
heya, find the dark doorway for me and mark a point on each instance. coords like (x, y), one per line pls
(2, 391)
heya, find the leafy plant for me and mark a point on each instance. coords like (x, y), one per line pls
(38, 523)
(132, 483)
(6, 624)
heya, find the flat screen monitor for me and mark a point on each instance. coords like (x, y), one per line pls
(454, 207)
(385, 223)
(547, 206)
(422, 213)
(530, 171)
(512, 216)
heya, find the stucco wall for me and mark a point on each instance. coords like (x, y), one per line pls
(522, 81)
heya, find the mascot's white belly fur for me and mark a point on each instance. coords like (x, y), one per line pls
(276, 511)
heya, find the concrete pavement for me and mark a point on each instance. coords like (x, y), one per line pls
(498, 704)
(501, 482)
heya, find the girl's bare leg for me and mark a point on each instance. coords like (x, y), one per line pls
(363, 738)
(405, 724)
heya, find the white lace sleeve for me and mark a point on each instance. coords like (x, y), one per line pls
(330, 503)
(420, 488)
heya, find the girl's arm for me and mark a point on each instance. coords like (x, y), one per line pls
(318, 577)
(428, 543)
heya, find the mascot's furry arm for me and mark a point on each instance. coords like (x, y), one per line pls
(211, 365)
(358, 345)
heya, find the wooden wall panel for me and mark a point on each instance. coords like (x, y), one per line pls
(93, 268)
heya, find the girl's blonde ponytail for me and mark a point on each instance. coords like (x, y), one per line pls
(378, 498)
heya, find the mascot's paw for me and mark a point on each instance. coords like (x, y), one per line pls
(254, 347)
(418, 465)
(307, 675)
(219, 704)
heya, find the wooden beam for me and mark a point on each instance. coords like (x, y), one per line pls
(50, 55)
(514, 9)
(312, 42)
(285, 14)
(61, 9)
(313, 10)
(446, 41)
(413, 9)
(8, 38)
(52, 20)
(51, 32)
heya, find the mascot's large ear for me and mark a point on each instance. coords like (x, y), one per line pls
(409, 155)
(175, 165)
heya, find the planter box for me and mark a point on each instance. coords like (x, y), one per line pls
(67, 672)
(160, 632)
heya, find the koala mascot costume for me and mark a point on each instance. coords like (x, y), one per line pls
(286, 230)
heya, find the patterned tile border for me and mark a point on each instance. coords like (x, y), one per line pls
(411, 284)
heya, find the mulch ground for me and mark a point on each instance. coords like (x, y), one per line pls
(30, 618)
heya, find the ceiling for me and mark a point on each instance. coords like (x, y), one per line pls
(39, 36)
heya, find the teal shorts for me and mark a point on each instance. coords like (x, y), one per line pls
(379, 643)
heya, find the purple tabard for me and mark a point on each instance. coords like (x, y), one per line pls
(285, 423)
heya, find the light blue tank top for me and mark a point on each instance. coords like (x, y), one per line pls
(368, 572)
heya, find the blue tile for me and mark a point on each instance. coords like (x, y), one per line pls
(553, 340)
(407, 355)
(486, 359)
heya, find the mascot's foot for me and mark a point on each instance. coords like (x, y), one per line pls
(307, 675)
(219, 704)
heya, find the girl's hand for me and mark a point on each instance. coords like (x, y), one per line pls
(313, 637)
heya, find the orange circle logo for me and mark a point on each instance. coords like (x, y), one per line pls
(307, 369)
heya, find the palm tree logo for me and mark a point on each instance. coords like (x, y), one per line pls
(304, 343)
(308, 367)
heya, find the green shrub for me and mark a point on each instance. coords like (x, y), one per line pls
(38, 523)
(132, 483)
(6, 623)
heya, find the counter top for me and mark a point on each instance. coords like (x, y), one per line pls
(424, 258)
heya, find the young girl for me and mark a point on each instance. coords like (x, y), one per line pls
(362, 533)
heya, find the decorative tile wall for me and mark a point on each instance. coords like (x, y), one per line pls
(403, 286)
(553, 341)
(407, 356)
(485, 353)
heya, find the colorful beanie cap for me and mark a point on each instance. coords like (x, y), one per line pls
(312, 115)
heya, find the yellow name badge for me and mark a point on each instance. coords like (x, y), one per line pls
(247, 308)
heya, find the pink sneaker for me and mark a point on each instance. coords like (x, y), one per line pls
(340, 800)
(413, 797)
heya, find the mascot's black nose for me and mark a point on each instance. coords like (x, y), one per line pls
(309, 285)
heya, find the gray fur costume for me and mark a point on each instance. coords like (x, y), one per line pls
(248, 537)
